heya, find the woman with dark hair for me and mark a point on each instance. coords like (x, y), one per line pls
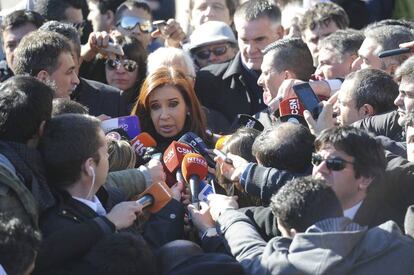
(168, 107)
(128, 71)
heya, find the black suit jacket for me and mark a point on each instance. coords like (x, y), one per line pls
(99, 98)
(222, 87)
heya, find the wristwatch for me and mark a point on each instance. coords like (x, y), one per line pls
(210, 232)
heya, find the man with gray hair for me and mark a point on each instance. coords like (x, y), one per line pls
(379, 39)
(231, 88)
(337, 52)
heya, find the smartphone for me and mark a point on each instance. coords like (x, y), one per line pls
(223, 156)
(113, 48)
(159, 24)
(308, 99)
(393, 52)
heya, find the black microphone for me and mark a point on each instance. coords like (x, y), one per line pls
(243, 120)
(198, 145)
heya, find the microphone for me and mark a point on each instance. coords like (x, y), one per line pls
(194, 168)
(221, 142)
(198, 145)
(243, 120)
(141, 142)
(273, 105)
(291, 110)
(174, 155)
(130, 124)
(155, 197)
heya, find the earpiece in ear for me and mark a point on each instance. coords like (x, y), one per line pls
(91, 170)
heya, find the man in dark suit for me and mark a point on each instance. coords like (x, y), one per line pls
(101, 99)
(231, 88)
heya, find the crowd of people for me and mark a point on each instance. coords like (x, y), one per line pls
(259, 137)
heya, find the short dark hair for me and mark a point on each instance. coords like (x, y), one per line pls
(122, 253)
(303, 202)
(231, 6)
(25, 103)
(368, 153)
(253, 10)
(240, 143)
(323, 14)
(108, 5)
(291, 54)
(390, 37)
(391, 22)
(68, 141)
(39, 50)
(55, 9)
(20, 18)
(66, 106)
(343, 42)
(286, 146)
(134, 50)
(19, 244)
(406, 69)
(374, 87)
(129, 4)
(65, 29)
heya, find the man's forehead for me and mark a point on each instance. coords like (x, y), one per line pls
(369, 47)
(407, 84)
(137, 12)
(329, 149)
(254, 28)
(18, 32)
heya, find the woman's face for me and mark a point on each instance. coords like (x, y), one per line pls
(121, 73)
(168, 110)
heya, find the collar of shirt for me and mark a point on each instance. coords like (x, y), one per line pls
(95, 204)
(351, 212)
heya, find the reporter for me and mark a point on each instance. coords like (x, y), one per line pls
(168, 107)
(74, 150)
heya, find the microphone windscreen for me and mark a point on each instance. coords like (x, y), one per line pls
(141, 142)
(160, 193)
(174, 155)
(130, 124)
(194, 165)
(243, 120)
(198, 145)
(291, 106)
(221, 141)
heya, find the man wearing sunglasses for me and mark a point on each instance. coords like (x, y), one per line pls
(68, 11)
(212, 42)
(231, 88)
(133, 18)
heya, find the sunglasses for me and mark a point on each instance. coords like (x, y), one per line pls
(129, 65)
(130, 22)
(333, 164)
(205, 54)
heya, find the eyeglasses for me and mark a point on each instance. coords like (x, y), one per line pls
(217, 51)
(129, 65)
(130, 22)
(333, 164)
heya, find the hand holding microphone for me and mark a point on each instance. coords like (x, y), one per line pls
(124, 214)
(156, 170)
